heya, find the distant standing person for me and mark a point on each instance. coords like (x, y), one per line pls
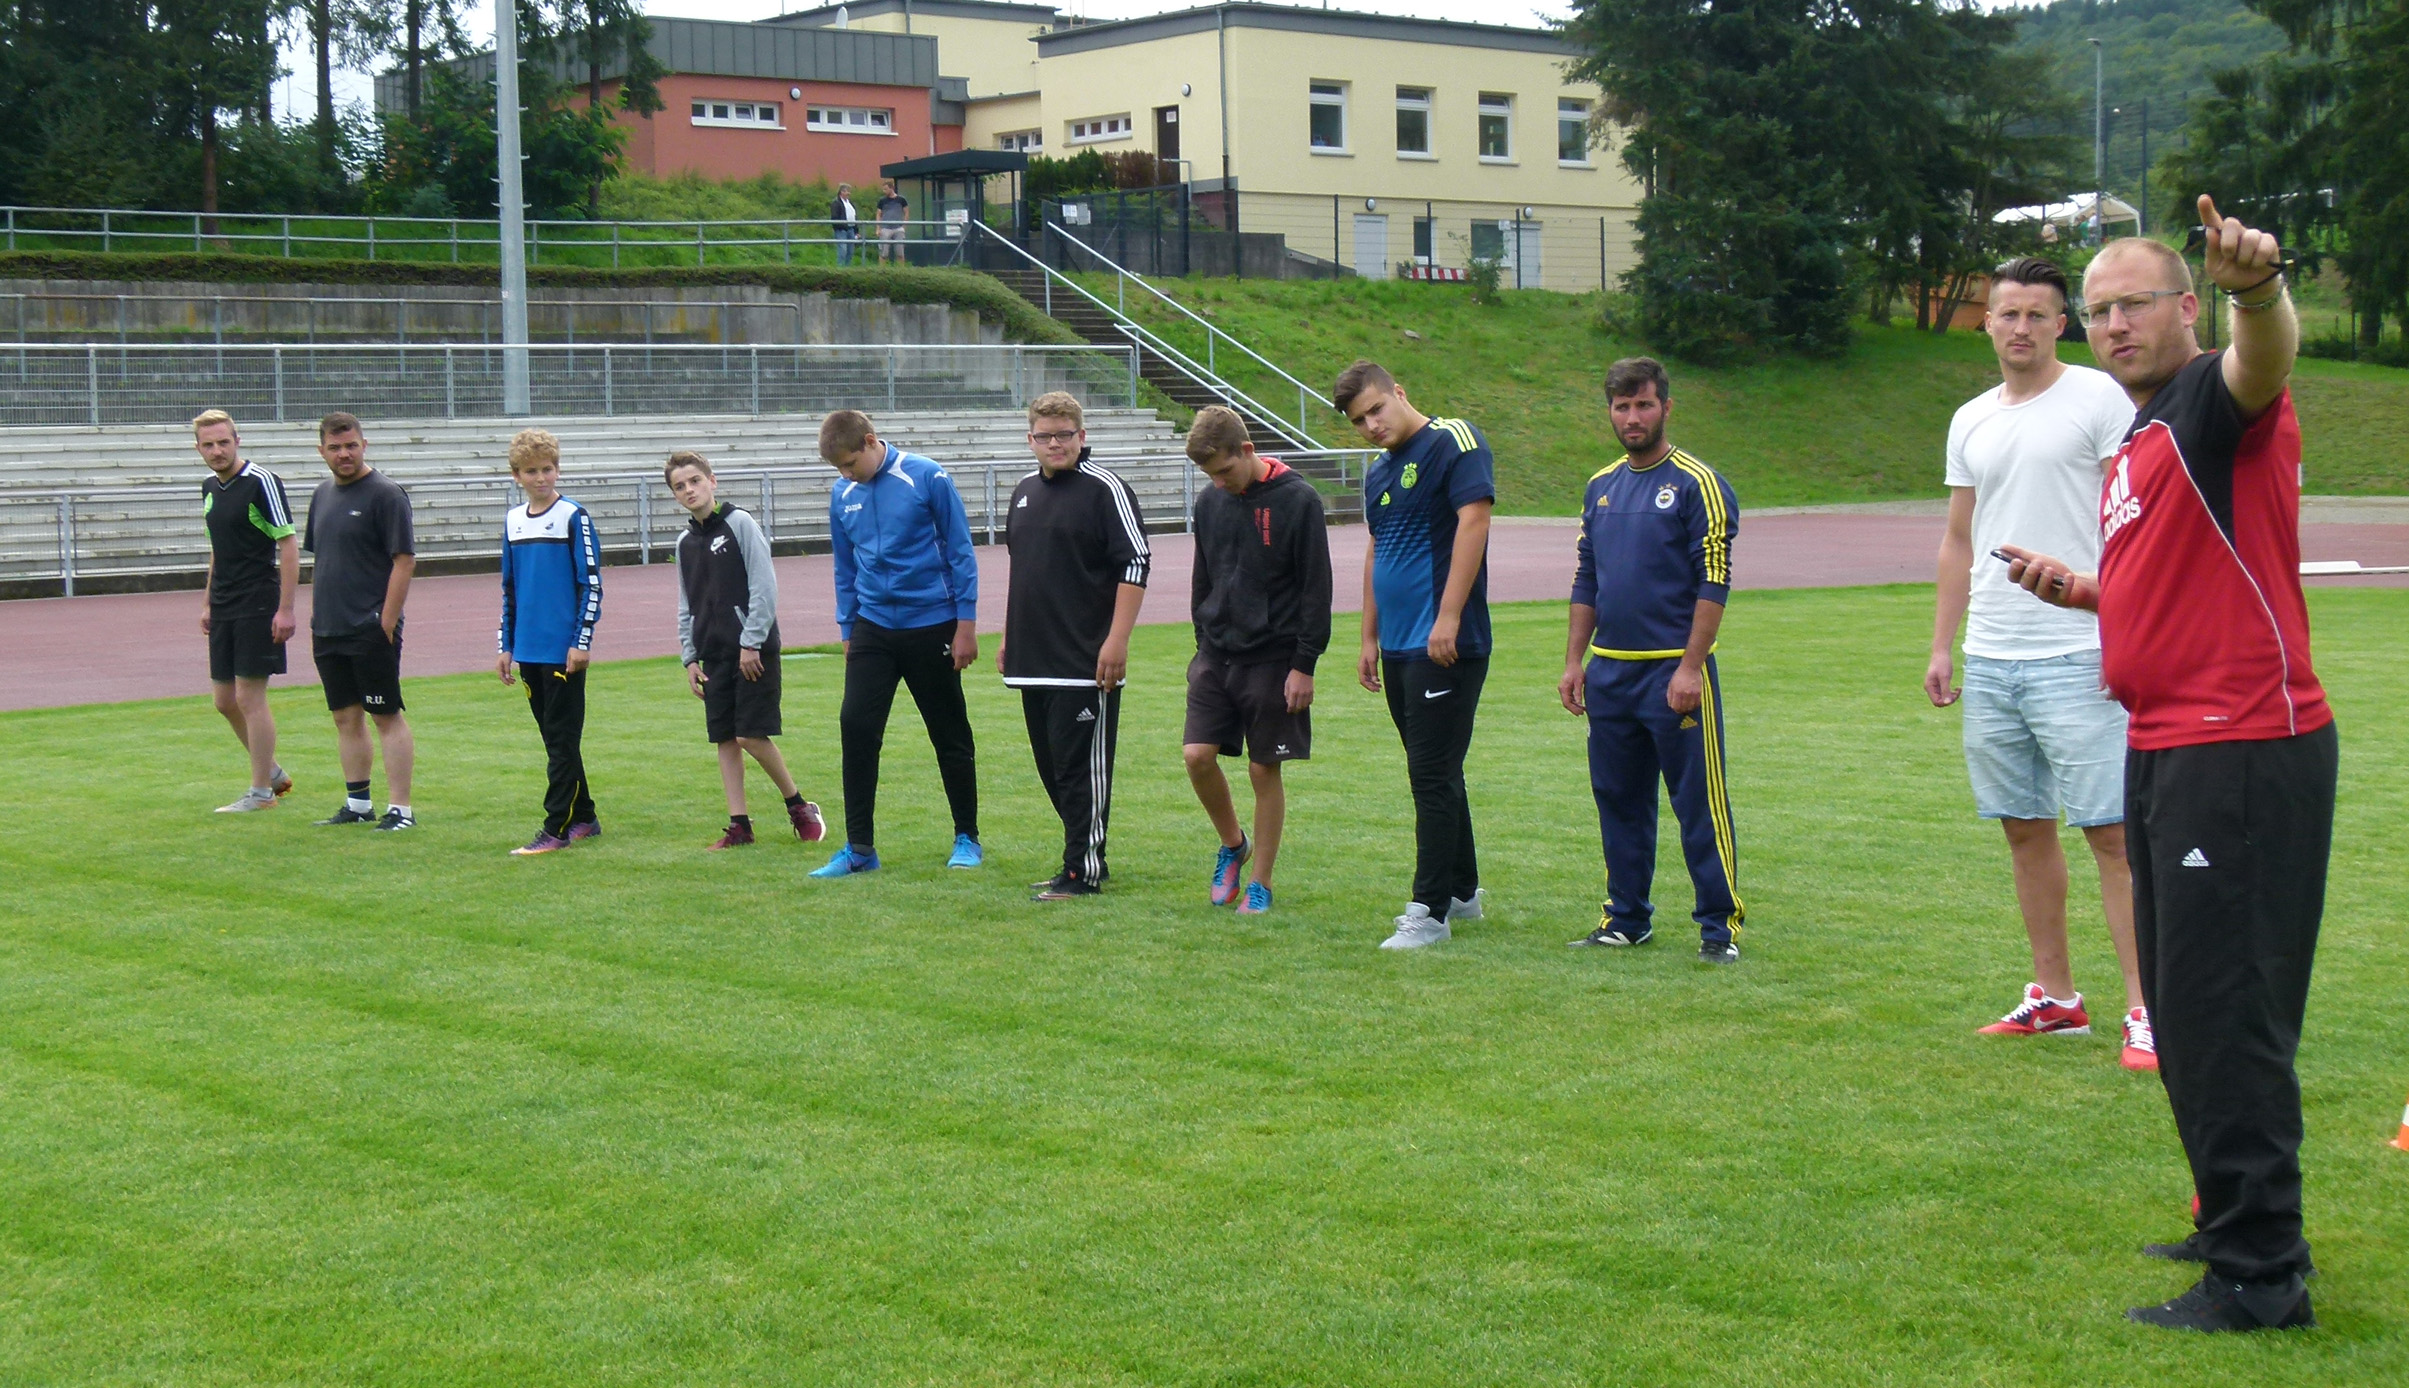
(1259, 594)
(891, 209)
(2230, 772)
(360, 531)
(1650, 581)
(728, 640)
(1079, 562)
(907, 609)
(2042, 737)
(1427, 500)
(254, 566)
(551, 599)
(845, 223)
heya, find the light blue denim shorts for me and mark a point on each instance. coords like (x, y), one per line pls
(2041, 737)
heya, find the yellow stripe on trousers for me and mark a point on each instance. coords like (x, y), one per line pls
(1718, 803)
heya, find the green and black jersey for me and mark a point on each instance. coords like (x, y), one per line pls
(248, 517)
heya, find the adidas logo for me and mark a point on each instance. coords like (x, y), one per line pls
(2195, 858)
(1021, 505)
(1688, 722)
(2120, 507)
(1088, 715)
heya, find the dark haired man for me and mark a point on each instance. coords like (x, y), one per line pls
(2229, 776)
(359, 530)
(2024, 464)
(1427, 499)
(1650, 580)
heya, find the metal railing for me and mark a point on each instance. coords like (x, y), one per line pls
(61, 535)
(1293, 432)
(157, 307)
(1214, 333)
(126, 229)
(97, 384)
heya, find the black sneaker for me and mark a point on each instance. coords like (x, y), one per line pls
(395, 819)
(348, 815)
(1615, 935)
(1065, 887)
(2187, 1251)
(2220, 1303)
(1725, 953)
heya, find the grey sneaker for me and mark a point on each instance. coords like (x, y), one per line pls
(1459, 910)
(253, 799)
(1416, 928)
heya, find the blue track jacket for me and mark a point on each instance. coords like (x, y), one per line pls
(551, 583)
(903, 552)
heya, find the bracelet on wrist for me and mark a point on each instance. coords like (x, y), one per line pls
(2234, 296)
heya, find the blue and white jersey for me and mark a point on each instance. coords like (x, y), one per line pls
(1411, 494)
(903, 551)
(551, 583)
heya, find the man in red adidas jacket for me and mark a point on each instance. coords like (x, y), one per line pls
(2229, 772)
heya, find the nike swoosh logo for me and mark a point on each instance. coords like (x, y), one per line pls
(1434, 693)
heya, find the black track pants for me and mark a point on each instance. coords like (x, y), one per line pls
(878, 659)
(1073, 731)
(1433, 706)
(557, 698)
(2228, 842)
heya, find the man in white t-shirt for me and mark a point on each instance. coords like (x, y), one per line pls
(2042, 736)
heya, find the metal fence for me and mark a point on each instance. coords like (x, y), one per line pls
(98, 383)
(789, 241)
(127, 319)
(63, 535)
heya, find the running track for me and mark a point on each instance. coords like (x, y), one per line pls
(111, 648)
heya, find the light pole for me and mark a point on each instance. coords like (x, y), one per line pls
(2141, 220)
(2099, 141)
(515, 393)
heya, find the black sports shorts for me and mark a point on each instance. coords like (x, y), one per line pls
(243, 648)
(360, 668)
(1230, 703)
(734, 706)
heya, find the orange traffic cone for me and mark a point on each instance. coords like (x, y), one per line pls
(2402, 1141)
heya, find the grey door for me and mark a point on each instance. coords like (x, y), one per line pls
(1372, 245)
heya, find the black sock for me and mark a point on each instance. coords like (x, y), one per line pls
(741, 821)
(795, 800)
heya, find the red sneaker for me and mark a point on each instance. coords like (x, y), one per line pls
(738, 836)
(2038, 1015)
(809, 827)
(2141, 1044)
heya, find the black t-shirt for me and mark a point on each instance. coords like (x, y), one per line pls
(890, 209)
(247, 517)
(355, 531)
(1075, 538)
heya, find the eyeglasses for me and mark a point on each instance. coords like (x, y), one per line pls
(1057, 436)
(2134, 305)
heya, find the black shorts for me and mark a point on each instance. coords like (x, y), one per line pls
(1228, 703)
(360, 668)
(243, 648)
(734, 706)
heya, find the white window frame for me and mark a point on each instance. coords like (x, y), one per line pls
(1494, 104)
(1097, 130)
(1020, 140)
(840, 120)
(1422, 99)
(727, 113)
(1320, 94)
(1568, 109)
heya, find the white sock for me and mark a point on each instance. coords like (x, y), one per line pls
(2075, 1001)
(359, 804)
(402, 810)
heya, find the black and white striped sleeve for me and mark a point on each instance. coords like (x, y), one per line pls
(1125, 530)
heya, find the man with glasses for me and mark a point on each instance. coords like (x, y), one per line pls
(2024, 463)
(2229, 780)
(1079, 560)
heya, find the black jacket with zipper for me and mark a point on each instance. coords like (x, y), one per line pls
(1260, 586)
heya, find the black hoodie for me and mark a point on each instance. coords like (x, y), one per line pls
(1260, 589)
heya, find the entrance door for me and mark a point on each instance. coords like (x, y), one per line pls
(1372, 245)
(1166, 132)
(1526, 256)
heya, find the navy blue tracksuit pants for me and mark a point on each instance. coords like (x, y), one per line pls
(1635, 737)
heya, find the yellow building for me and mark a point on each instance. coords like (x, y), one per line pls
(986, 43)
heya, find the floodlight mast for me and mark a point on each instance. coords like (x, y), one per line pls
(515, 394)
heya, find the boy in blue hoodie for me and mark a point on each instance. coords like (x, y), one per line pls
(907, 608)
(551, 598)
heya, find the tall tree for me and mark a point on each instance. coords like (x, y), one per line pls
(613, 36)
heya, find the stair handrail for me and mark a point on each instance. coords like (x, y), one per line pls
(1293, 432)
(1212, 330)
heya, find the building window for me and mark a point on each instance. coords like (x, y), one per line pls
(1423, 227)
(1326, 122)
(1096, 128)
(1572, 131)
(1413, 120)
(1020, 140)
(759, 115)
(1497, 126)
(1489, 242)
(850, 120)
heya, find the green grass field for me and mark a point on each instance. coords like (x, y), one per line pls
(281, 1104)
(1869, 426)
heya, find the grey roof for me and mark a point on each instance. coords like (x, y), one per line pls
(824, 15)
(1456, 33)
(714, 48)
